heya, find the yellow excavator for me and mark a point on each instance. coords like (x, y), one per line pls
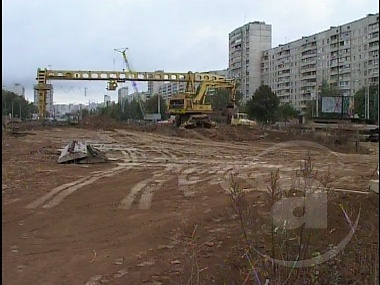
(191, 110)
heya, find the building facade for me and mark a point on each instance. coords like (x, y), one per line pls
(122, 94)
(19, 90)
(246, 45)
(143, 96)
(107, 100)
(154, 86)
(345, 56)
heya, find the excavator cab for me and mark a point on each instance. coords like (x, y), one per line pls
(177, 104)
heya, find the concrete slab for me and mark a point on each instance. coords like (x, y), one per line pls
(374, 185)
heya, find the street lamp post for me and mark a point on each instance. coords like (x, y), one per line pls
(368, 105)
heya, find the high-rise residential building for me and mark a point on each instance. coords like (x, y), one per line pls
(246, 45)
(122, 94)
(166, 90)
(143, 96)
(19, 89)
(345, 56)
(49, 98)
(107, 100)
(221, 72)
(154, 86)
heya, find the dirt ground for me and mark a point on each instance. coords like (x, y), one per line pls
(159, 212)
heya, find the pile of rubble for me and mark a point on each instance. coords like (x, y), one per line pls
(79, 152)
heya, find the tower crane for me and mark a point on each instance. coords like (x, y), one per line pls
(134, 85)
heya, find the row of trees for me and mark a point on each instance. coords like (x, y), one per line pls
(131, 110)
(16, 105)
(263, 106)
(360, 102)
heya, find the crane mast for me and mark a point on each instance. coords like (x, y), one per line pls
(134, 85)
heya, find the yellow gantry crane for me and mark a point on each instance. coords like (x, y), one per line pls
(113, 77)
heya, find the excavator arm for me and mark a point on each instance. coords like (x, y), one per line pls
(200, 97)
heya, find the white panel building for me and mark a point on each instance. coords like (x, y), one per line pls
(19, 89)
(246, 45)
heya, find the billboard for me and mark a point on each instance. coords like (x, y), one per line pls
(152, 117)
(334, 104)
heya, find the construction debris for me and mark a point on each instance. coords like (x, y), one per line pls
(79, 152)
(374, 183)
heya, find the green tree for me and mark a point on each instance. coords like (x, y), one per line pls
(327, 89)
(151, 106)
(286, 112)
(359, 102)
(134, 110)
(221, 98)
(263, 106)
(10, 99)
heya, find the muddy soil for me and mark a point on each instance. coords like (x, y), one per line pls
(159, 212)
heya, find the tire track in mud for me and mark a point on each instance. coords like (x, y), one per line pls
(58, 194)
(193, 167)
(145, 189)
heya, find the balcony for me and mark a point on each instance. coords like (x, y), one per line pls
(308, 47)
(308, 69)
(309, 53)
(308, 76)
(309, 83)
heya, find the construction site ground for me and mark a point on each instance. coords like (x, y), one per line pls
(160, 202)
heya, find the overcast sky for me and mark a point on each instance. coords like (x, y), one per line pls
(174, 35)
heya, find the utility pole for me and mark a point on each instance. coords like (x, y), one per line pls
(317, 107)
(158, 104)
(12, 115)
(367, 114)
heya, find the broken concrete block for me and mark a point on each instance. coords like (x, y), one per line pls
(79, 152)
(374, 185)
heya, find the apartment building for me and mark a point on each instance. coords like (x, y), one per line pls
(144, 96)
(19, 89)
(107, 100)
(154, 86)
(246, 45)
(122, 94)
(345, 56)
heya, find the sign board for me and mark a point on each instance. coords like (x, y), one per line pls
(153, 117)
(334, 104)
